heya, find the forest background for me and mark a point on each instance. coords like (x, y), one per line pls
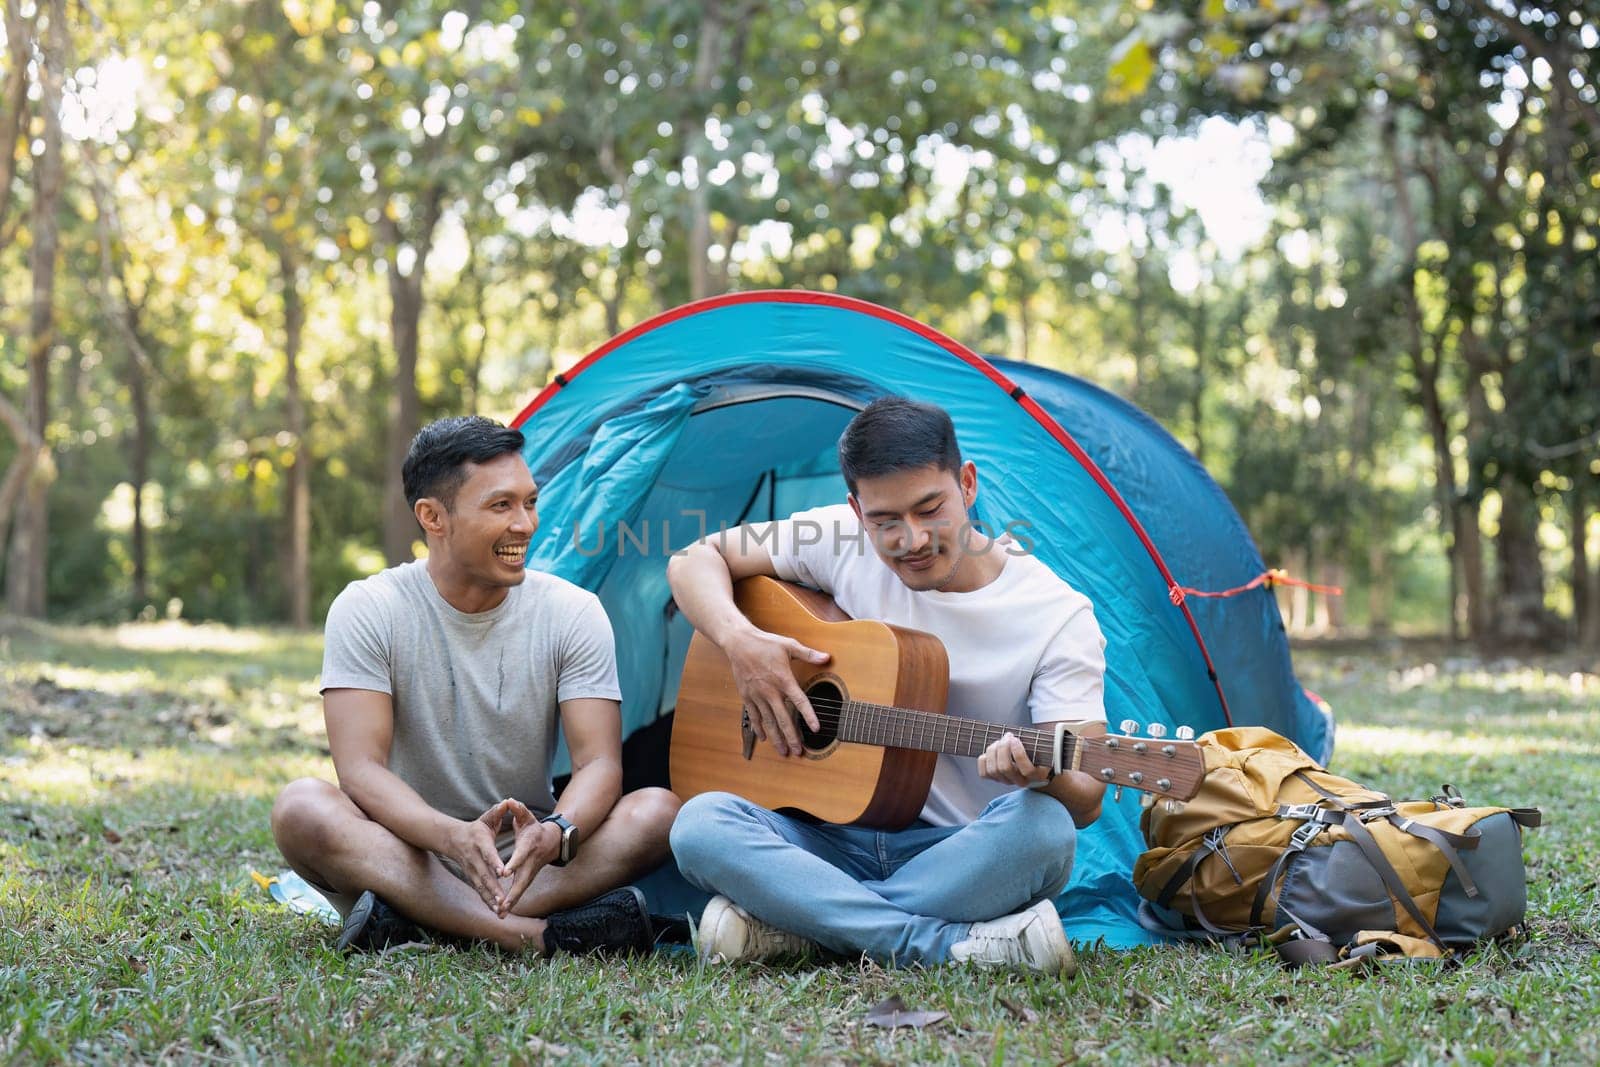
(1345, 252)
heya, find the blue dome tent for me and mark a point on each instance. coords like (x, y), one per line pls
(728, 410)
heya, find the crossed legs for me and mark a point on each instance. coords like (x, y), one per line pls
(331, 842)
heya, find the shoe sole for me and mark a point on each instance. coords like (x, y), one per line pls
(355, 923)
(723, 908)
(1069, 962)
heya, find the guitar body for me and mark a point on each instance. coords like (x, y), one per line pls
(835, 781)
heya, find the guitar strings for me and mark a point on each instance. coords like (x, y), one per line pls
(837, 708)
(918, 719)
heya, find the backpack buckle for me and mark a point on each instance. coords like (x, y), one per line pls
(1305, 812)
(1304, 834)
(1370, 814)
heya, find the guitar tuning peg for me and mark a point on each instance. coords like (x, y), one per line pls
(1116, 795)
(1156, 730)
(1147, 801)
(1186, 733)
(1128, 726)
(1172, 807)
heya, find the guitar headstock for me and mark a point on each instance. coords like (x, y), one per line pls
(1171, 768)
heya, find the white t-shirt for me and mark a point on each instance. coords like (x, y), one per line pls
(1024, 649)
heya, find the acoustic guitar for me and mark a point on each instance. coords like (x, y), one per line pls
(879, 701)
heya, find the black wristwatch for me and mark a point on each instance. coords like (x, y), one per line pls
(569, 839)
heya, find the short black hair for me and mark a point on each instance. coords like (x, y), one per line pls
(436, 464)
(896, 433)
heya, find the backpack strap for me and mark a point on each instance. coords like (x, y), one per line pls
(1447, 843)
(1306, 951)
(1340, 802)
(1212, 842)
(1527, 818)
(1303, 836)
(1391, 879)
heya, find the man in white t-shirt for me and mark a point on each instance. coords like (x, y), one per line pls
(443, 683)
(973, 879)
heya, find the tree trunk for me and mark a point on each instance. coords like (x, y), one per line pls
(1520, 617)
(1469, 557)
(1458, 518)
(613, 303)
(1141, 328)
(1444, 469)
(25, 574)
(1294, 603)
(1330, 606)
(405, 406)
(139, 471)
(692, 134)
(1583, 604)
(1589, 639)
(1380, 587)
(13, 108)
(1025, 322)
(405, 314)
(29, 451)
(299, 481)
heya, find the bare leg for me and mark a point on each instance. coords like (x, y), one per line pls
(328, 839)
(631, 841)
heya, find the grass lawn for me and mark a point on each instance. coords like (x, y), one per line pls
(137, 767)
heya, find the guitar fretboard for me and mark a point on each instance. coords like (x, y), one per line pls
(878, 724)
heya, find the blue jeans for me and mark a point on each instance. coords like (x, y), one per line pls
(901, 897)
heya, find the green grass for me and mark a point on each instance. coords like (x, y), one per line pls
(138, 765)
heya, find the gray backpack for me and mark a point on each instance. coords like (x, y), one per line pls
(1327, 870)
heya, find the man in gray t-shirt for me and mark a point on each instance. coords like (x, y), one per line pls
(442, 684)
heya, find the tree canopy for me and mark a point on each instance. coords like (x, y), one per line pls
(1344, 251)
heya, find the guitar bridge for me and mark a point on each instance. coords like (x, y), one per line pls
(748, 734)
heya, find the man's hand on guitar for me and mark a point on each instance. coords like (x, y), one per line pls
(761, 670)
(1007, 761)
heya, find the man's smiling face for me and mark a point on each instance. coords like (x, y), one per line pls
(492, 520)
(915, 520)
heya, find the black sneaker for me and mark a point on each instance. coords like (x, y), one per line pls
(373, 926)
(615, 922)
(672, 930)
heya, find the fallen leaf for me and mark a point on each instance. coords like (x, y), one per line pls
(1280, 999)
(1021, 1012)
(1140, 999)
(538, 1046)
(893, 1013)
(111, 836)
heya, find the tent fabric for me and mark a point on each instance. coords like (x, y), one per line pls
(729, 411)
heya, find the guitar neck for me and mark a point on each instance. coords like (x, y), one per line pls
(890, 727)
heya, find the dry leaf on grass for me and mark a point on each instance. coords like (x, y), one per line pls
(893, 1013)
(538, 1046)
(1021, 1012)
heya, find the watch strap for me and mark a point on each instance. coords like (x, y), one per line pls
(569, 839)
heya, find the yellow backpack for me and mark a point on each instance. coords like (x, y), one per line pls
(1324, 868)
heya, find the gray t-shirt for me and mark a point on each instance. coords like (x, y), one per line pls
(475, 696)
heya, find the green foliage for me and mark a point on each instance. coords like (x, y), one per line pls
(538, 177)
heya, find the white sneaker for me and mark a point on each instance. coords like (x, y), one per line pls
(1031, 939)
(729, 934)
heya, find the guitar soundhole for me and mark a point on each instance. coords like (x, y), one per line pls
(826, 698)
